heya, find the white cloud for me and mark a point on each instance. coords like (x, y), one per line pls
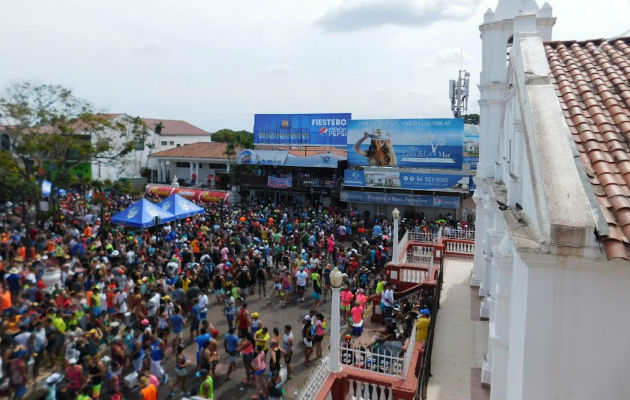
(355, 15)
(277, 69)
(452, 57)
(151, 47)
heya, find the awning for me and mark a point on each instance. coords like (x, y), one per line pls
(262, 157)
(180, 207)
(142, 214)
(326, 160)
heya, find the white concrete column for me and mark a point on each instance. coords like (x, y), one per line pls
(395, 254)
(335, 336)
(159, 171)
(197, 169)
(480, 228)
(190, 168)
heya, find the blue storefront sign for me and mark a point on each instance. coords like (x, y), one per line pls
(450, 202)
(433, 181)
(354, 177)
(406, 143)
(302, 129)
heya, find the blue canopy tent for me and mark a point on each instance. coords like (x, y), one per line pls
(180, 207)
(142, 214)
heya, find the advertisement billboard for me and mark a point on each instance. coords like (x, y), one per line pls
(450, 202)
(261, 157)
(416, 143)
(407, 180)
(301, 129)
(471, 147)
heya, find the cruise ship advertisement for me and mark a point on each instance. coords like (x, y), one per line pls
(406, 143)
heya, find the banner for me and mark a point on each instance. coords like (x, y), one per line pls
(434, 181)
(406, 180)
(311, 182)
(416, 143)
(354, 177)
(262, 157)
(206, 196)
(471, 147)
(450, 202)
(301, 129)
(279, 183)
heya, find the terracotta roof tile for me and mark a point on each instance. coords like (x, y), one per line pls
(592, 82)
(214, 150)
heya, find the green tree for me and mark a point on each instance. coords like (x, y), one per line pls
(52, 133)
(234, 139)
(471, 119)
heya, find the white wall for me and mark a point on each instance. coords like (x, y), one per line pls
(569, 329)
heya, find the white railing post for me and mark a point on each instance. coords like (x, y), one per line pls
(409, 352)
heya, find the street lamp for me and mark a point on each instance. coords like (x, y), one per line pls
(336, 280)
(396, 215)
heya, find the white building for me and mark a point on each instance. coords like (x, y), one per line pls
(173, 133)
(553, 209)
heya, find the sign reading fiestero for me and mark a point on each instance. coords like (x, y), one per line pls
(301, 129)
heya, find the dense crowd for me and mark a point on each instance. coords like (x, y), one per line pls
(91, 303)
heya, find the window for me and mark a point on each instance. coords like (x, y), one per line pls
(164, 143)
(216, 166)
(183, 165)
(172, 143)
(5, 142)
(178, 144)
(139, 145)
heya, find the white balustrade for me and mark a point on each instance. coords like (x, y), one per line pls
(460, 247)
(318, 377)
(381, 362)
(359, 390)
(412, 275)
(452, 233)
(409, 351)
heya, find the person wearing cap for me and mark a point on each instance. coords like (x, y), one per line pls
(14, 283)
(422, 326)
(256, 324)
(326, 287)
(206, 388)
(74, 377)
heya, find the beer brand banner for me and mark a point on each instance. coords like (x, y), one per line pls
(301, 129)
(279, 183)
(206, 196)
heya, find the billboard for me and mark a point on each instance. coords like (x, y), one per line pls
(471, 147)
(407, 180)
(261, 157)
(301, 129)
(415, 200)
(415, 143)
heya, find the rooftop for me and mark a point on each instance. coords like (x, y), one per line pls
(171, 126)
(591, 79)
(211, 150)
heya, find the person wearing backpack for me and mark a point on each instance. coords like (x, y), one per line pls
(274, 387)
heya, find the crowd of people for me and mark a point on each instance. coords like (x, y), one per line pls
(100, 307)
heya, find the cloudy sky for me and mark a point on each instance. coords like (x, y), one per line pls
(216, 63)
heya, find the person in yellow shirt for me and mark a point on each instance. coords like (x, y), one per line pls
(262, 338)
(422, 326)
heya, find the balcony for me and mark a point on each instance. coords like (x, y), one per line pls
(394, 373)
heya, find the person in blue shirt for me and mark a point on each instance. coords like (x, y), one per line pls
(231, 347)
(195, 321)
(157, 355)
(201, 341)
(377, 230)
(177, 322)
